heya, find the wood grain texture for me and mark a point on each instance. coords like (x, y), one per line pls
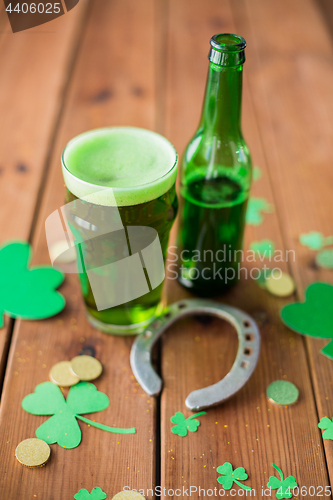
(34, 71)
(113, 84)
(292, 100)
(35, 66)
(246, 431)
(145, 65)
(3, 16)
(326, 9)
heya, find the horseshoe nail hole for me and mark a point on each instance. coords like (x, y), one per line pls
(148, 334)
(248, 337)
(167, 315)
(181, 306)
(246, 324)
(244, 364)
(156, 324)
(247, 351)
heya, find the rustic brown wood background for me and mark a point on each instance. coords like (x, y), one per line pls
(121, 62)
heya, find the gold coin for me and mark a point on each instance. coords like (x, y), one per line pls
(280, 284)
(129, 495)
(61, 252)
(86, 367)
(33, 452)
(62, 375)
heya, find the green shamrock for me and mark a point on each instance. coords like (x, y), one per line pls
(315, 240)
(324, 259)
(62, 427)
(254, 209)
(231, 476)
(262, 276)
(27, 293)
(314, 317)
(327, 424)
(264, 248)
(185, 424)
(257, 173)
(96, 494)
(284, 486)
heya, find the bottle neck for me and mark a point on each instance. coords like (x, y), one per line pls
(221, 114)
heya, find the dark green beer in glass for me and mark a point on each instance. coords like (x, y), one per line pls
(215, 178)
(120, 206)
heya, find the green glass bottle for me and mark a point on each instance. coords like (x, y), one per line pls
(215, 178)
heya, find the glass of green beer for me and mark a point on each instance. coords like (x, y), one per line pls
(120, 206)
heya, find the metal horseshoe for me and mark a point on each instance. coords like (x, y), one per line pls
(241, 371)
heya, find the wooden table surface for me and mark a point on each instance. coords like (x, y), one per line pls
(121, 62)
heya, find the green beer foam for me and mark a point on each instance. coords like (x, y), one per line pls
(139, 166)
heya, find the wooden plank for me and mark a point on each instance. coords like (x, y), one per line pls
(326, 9)
(2, 13)
(4, 23)
(113, 84)
(34, 71)
(246, 431)
(31, 90)
(293, 104)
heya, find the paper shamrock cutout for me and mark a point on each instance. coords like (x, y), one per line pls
(62, 427)
(326, 424)
(231, 476)
(96, 494)
(262, 276)
(254, 210)
(257, 173)
(324, 259)
(265, 248)
(27, 293)
(315, 240)
(185, 424)
(284, 487)
(314, 317)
